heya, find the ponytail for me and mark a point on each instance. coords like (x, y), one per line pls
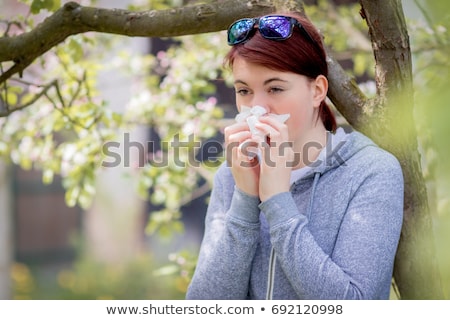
(327, 117)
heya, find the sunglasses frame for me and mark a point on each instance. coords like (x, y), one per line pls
(256, 22)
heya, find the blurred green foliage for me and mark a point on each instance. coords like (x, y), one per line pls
(431, 47)
(90, 280)
(62, 124)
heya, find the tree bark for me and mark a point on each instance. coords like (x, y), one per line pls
(391, 125)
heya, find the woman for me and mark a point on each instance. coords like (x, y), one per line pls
(318, 214)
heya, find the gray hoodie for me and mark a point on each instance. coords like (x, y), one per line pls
(333, 236)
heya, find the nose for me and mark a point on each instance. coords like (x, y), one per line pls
(260, 100)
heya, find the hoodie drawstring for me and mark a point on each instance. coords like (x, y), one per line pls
(271, 274)
(273, 255)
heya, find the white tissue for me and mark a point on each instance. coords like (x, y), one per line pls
(251, 115)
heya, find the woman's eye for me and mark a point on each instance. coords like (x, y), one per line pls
(241, 92)
(275, 89)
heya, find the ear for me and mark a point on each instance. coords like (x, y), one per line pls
(320, 90)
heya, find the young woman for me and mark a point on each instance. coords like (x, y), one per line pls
(318, 214)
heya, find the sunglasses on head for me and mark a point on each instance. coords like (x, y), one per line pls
(273, 27)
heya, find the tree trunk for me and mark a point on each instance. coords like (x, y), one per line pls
(392, 126)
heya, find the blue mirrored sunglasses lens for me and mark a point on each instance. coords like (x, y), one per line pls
(273, 27)
(239, 31)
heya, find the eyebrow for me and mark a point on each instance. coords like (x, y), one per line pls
(265, 82)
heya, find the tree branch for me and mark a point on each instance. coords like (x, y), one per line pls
(73, 19)
(6, 111)
(345, 94)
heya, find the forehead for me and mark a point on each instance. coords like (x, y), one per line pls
(253, 73)
(242, 68)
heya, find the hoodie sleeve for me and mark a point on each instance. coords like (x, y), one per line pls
(360, 264)
(229, 243)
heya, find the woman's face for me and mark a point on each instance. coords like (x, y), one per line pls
(281, 92)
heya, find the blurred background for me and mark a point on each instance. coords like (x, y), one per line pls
(131, 230)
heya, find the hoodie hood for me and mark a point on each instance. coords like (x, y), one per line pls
(340, 147)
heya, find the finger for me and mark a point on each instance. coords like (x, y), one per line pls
(236, 127)
(237, 138)
(249, 149)
(276, 134)
(273, 122)
(275, 130)
(236, 133)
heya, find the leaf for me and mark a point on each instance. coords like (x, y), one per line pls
(75, 50)
(37, 6)
(11, 98)
(85, 199)
(47, 176)
(50, 5)
(360, 64)
(71, 196)
(56, 4)
(27, 98)
(11, 95)
(166, 270)
(26, 163)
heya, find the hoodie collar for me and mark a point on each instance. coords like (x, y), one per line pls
(329, 157)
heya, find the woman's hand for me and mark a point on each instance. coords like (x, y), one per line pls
(277, 158)
(245, 169)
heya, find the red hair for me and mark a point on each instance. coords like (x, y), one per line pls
(298, 54)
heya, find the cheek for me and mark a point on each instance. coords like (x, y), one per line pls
(295, 125)
(300, 121)
(240, 101)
